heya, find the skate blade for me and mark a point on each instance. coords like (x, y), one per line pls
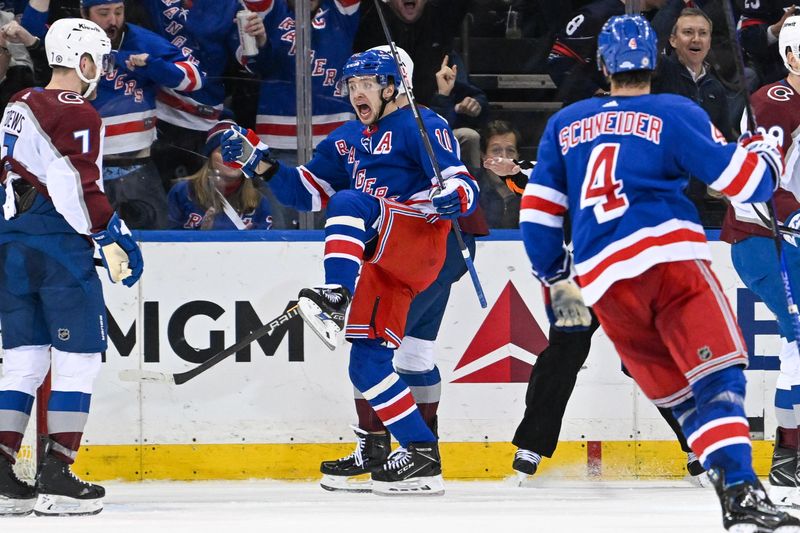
(420, 486)
(743, 528)
(782, 496)
(325, 328)
(15, 507)
(361, 483)
(521, 479)
(55, 505)
(700, 481)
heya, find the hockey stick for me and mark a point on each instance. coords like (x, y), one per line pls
(270, 328)
(791, 304)
(473, 274)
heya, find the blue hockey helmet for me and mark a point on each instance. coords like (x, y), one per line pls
(370, 63)
(627, 42)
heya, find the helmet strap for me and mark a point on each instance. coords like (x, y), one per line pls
(93, 82)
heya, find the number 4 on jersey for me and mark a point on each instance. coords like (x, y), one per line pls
(601, 188)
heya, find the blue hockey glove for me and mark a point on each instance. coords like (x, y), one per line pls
(565, 308)
(793, 222)
(768, 148)
(455, 199)
(241, 148)
(120, 253)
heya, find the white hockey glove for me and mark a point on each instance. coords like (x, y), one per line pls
(455, 199)
(768, 148)
(120, 253)
(565, 307)
(241, 148)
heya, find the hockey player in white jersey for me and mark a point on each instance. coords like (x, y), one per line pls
(51, 300)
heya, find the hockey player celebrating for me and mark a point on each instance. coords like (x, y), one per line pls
(51, 300)
(753, 253)
(387, 220)
(615, 165)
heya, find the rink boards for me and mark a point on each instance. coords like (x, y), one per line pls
(277, 410)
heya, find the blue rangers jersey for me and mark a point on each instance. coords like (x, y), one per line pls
(619, 165)
(126, 100)
(333, 29)
(207, 34)
(387, 160)
(186, 213)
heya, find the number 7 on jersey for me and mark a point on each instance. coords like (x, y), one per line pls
(601, 188)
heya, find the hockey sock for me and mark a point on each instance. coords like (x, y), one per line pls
(715, 424)
(669, 418)
(67, 413)
(351, 215)
(15, 411)
(788, 438)
(372, 373)
(367, 417)
(426, 387)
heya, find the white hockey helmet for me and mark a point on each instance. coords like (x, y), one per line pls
(790, 38)
(406, 66)
(69, 39)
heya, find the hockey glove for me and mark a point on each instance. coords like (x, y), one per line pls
(455, 199)
(120, 253)
(768, 148)
(792, 222)
(241, 148)
(565, 307)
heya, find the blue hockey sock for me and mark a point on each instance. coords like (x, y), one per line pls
(372, 373)
(716, 426)
(17, 406)
(426, 388)
(350, 217)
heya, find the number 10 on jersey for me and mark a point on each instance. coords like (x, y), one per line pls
(601, 188)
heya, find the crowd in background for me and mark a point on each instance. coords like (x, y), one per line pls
(181, 71)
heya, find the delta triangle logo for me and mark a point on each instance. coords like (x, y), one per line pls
(505, 346)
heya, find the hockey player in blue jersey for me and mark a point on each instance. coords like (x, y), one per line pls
(388, 220)
(51, 301)
(616, 166)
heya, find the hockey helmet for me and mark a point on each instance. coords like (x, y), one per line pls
(627, 42)
(370, 63)
(406, 67)
(790, 38)
(69, 39)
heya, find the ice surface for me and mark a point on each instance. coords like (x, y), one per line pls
(485, 507)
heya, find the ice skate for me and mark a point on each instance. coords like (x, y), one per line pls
(525, 464)
(17, 498)
(369, 456)
(323, 309)
(61, 493)
(416, 470)
(697, 474)
(746, 508)
(782, 475)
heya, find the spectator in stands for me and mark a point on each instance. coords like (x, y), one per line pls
(572, 63)
(759, 27)
(126, 100)
(207, 33)
(333, 28)
(217, 196)
(466, 109)
(16, 64)
(424, 28)
(687, 73)
(500, 139)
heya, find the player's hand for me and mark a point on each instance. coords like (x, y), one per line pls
(565, 306)
(455, 199)
(469, 106)
(446, 77)
(768, 148)
(136, 60)
(241, 148)
(13, 32)
(120, 253)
